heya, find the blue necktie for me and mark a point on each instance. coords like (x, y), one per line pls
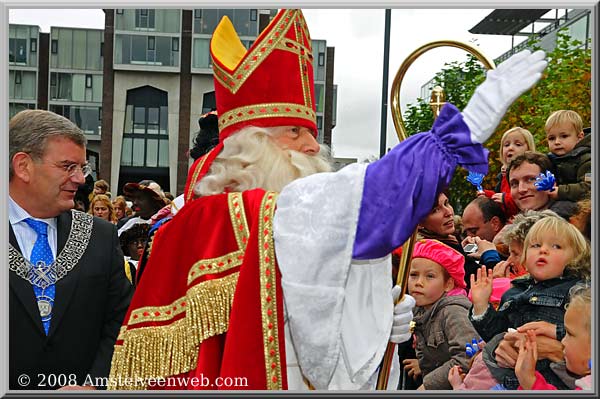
(41, 259)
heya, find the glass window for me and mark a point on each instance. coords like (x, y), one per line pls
(94, 50)
(17, 51)
(18, 77)
(321, 59)
(78, 93)
(319, 97)
(65, 50)
(123, 49)
(163, 155)
(88, 81)
(153, 114)
(164, 120)
(144, 18)
(126, 151)
(175, 44)
(139, 115)
(128, 119)
(119, 11)
(151, 17)
(138, 44)
(29, 86)
(210, 19)
(15, 108)
(151, 152)
(145, 120)
(241, 21)
(79, 49)
(163, 51)
(150, 42)
(138, 152)
(33, 45)
(201, 53)
(87, 118)
(54, 46)
(253, 14)
(65, 85)
(97, 88)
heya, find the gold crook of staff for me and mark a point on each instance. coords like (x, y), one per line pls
(437, 102)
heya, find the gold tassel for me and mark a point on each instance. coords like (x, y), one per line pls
(160, 352)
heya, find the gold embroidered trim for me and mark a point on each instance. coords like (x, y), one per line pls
(233, 81)
(239, 224)
(158, 313)
(302, 61)
(163, 351)
(238, 219)
(267, 110)
(268, 294)
(190, 192)
(121, 332)
(215, 265)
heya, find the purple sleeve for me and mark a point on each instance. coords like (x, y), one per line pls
(401, 188)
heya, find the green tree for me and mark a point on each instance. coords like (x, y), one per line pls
(566, 84)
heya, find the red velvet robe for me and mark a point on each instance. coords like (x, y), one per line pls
(219, 312)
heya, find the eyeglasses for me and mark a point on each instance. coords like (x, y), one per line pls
(72, 169)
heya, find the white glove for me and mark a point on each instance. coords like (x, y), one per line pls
(402, 317)
(501, 87)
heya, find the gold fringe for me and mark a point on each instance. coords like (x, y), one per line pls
(160, 352)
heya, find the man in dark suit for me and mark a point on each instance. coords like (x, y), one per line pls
(68, 290)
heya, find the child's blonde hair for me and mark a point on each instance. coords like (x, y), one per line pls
(580, 265)
(581, 295)
(564, 115)
(529, 140)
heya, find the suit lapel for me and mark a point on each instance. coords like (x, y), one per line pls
(23, 288)
(65, 286)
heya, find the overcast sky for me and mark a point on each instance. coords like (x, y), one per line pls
(358, 38)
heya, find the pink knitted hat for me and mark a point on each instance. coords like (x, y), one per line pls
(450, 259)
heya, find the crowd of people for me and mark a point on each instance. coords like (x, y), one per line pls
(272, 267)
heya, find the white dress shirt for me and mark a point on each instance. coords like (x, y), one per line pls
(25, 235)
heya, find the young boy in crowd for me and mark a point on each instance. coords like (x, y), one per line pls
(570, 154)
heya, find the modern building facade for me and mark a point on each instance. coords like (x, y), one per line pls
(75, 82)
(138, 87)
(23, 67)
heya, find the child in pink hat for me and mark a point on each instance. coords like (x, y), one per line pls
(442, 328)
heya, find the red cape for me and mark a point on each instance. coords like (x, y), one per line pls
(210, 303)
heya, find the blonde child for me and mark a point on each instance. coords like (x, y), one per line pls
(577, 345)
(514, 141)
(557, 257)
(570, 154)
(436, 282)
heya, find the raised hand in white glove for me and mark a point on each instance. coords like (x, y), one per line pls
(500, 89)
(402, 317)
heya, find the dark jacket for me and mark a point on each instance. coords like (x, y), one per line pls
(570, 171)
(91, 301)
(527, 301)
(441, 334)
